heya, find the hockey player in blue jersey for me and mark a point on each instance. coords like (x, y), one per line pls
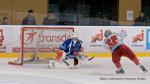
(70, 54)
(72, 47)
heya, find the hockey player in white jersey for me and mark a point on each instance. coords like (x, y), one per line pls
(114, 43)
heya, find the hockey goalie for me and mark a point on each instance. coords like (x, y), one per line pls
(69, 54)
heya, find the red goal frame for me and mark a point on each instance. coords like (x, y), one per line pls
(22, 37)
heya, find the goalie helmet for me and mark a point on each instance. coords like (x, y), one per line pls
(107, 33)
(74, 35)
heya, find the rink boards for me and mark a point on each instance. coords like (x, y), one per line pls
(90, 54)
(138, 39)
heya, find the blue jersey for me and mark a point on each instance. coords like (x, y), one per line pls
(69, 46)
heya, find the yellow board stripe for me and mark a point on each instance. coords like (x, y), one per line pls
(105, 55)
(9, 55)
(26, 55)
(90, 54)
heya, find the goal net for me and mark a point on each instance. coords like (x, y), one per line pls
(38, 44)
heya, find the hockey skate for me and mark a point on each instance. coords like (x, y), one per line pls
(143, 69)
(120, 71)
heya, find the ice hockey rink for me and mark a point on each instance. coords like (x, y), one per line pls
(96, 71)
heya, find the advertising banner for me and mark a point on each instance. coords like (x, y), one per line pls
(137, 38)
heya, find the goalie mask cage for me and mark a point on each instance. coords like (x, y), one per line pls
(38, 44)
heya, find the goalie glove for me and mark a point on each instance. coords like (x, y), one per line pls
(82, 56)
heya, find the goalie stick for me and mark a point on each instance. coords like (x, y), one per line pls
(91, 58)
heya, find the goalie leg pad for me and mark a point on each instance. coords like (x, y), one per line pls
(71, 63)
(60, 55)
(63, 64)
(51, 64)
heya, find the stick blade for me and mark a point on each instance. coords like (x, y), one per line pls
(14, 63)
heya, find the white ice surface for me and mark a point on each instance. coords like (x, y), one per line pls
(97, 71)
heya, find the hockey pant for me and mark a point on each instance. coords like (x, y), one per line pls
(123, 50)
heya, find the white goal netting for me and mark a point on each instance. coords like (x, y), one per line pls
(38, 43)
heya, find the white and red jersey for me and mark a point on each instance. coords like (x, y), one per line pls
(113, 41)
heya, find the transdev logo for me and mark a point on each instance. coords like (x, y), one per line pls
(148, 39)
(31, 37)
